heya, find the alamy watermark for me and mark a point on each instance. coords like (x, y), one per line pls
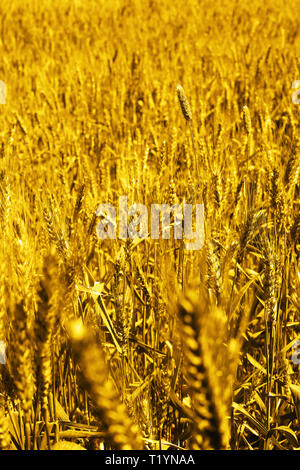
(296, 352)
(296, 94)
(2, 352)
(2, 92)
(135, 222)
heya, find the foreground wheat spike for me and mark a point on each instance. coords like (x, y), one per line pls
(20, 355)
(121, 431)
(49, 307)
(4, 432)
(21, 363)
(209, 385)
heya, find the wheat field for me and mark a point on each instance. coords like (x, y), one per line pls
(138, 343)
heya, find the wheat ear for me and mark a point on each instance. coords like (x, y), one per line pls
(203, 343)
(187, 114)
(121, 431)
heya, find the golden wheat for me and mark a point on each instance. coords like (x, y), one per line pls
(90, 117)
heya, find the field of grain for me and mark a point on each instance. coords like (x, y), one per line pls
(139, 343)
